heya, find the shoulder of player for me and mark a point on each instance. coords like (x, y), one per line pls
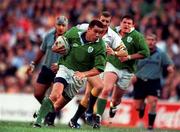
(83, 26)
(49, 34)
(112, 35)
(136, 33)
(160, 51)
(112, 32)
(72, 31)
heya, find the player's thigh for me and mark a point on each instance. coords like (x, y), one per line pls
(110, 79)
(40, 89)
(95, 81)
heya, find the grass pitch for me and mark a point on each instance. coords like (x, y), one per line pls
(27, 127)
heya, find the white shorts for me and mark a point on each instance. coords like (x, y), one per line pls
(73, 83)
(124, 76)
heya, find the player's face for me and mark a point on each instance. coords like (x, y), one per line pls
(105, 21)
(61, 29)
(151, 41)
(94, 33)
(126, 25)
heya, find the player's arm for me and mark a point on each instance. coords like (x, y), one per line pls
(90, 73)
(141, 45)
(117, 52)
(167, 65)
(120, 51)
(117, 46)
(38, 57)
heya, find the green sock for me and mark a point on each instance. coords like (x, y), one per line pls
(46, 107)
(101, 104)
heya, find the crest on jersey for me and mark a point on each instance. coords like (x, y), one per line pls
(129, 39)
(90, 49)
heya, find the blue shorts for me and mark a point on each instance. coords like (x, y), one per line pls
(46, 76)
(144, 88)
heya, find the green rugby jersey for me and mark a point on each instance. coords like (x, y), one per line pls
(135, 43)
(83, 56)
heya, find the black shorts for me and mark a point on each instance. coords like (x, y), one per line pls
(143, 88)
(46, 76)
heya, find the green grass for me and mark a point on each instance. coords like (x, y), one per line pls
(27, 127)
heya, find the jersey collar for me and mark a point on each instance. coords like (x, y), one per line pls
(80, 36)
(118, 28)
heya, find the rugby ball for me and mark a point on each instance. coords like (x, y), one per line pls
(60, 41)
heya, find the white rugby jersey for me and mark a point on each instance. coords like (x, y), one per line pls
(111, 38)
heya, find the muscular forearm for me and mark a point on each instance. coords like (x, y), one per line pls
(39, 56)
(136, 56)
(92, 72)
(121, 53)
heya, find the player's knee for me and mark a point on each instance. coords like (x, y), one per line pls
(152, 101)
(99, 86)
(105, 93)
(53, 97)
(153, 106)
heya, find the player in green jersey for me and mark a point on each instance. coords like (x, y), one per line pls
(95, 83)
(86, 58)
(49, 66)
(120, 70)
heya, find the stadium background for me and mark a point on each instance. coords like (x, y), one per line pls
(23, 23)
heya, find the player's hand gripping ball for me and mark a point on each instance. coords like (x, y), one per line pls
(60, 41)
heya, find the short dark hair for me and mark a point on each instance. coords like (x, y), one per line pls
(106, 14)
(96, 23)
(128, 16)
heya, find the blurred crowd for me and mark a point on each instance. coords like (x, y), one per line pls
(23, 23)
